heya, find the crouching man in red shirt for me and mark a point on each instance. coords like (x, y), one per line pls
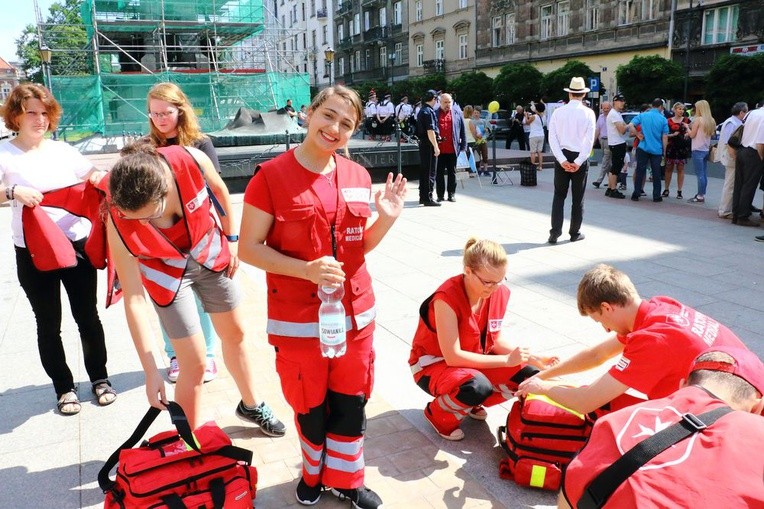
(718, 466)
(656, 339)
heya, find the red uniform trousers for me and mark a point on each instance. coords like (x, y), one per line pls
(458, 390)
(329, 397)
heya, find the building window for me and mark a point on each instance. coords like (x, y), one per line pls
(418, 10)
(419, 55)
(313, 39)
(383, 17)
(357, 23)
(397, 13)
(341, 65)
(324, 33)
(439, 49)
(496, 28)
(352, 64)
(366, 20)
(312, 8)
(510, 22)
(649, 9)
(358, 60)
(340, 32)
(462, 46)
(399, 51)
(563, 18)
(463, 4)
(720, 25)
(367, 60)
(438, 7)
(546, 18)
(626, 12)
(383, 56)
(592, 13)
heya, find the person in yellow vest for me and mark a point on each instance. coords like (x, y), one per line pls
(163, 237)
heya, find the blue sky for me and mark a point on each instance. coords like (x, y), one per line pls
(14, 19)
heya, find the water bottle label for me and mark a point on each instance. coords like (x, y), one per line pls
(332, 332)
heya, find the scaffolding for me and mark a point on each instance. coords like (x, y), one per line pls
(224, 54)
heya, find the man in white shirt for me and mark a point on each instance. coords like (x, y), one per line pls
(748, 167)
(616, 129)
(370, 110)
(726, 155)
(600, 134)
(571, 138)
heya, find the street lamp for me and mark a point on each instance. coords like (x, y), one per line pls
(45, 57)
(329, 57)
(392, 67)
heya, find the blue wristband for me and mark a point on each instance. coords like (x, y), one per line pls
(232, 238)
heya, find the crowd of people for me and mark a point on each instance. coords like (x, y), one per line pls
(161, 222)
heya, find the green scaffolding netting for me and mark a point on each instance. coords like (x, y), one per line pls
(114, 104)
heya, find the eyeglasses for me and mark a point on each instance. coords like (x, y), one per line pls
(156, 115)
(490, 284)
(157, 214)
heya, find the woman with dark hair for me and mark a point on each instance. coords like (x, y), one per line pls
(163, 237)
(173, 122)
(33, 169)
(306, 223)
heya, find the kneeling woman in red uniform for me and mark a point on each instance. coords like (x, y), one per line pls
(458, 354)
(306, 223)
(164, 238)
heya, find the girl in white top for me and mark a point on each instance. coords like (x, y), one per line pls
(702, 128)
(31, 165)
(536, 138)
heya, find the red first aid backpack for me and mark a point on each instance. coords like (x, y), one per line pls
(177, 469)
(540, 439)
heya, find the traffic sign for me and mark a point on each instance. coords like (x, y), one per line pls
(594, 84)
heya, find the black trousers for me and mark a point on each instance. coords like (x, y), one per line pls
(445, 180)
(43, 289)
(427, 170)
(748, 172)
(563, 181)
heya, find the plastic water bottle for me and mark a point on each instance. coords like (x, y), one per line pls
(331, 321)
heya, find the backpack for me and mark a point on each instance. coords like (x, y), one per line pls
(540, 439)
(736, 138)
(177, 469)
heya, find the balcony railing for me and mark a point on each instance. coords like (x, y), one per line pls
(375, 34)
(321, 13)
(438, 65)
(344, 8)
(345, 43)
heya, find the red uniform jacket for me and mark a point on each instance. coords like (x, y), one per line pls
(161, 263)
(425, 349)
(301, 230)
(48, 245)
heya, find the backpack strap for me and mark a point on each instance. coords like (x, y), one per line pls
(602, 487)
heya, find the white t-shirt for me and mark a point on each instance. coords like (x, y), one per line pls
(403, 111)
(613, 136)
(536, 127)
(753, 132)
(54, 165)
(385, 109)
(371, 109)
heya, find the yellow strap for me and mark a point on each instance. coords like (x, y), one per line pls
(554, 403)
(538, 474)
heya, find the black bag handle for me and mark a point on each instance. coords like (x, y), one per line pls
(217, 490)
(602, 487)
(179, 420)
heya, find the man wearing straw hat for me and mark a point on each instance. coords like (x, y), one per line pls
(571, 138)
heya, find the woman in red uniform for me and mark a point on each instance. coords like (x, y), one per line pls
(459, 355)
(306, 223)
(164, 238)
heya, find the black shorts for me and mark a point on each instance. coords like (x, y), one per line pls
(617, 154)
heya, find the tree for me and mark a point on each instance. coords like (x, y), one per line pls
(64, 34)
(517, 84)
(555, 81)
(472, 88)
(645, 78)
(734, 78)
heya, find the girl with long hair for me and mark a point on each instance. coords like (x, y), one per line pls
(702, 128)
(678, 148)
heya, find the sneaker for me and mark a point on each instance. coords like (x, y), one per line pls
(615, 193)
(622, 187)
(307, 495)
(211, 371)
(362, 498)
(478, 413)
(596, 184)
(173, 371)
(679, 195)
(454, 436)
(262, 415)
(608, 191)
(760, 238)
(642, 193)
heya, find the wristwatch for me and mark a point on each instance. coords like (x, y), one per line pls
(232, 238)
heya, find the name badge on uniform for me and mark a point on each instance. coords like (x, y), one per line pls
(197, 200)
(494, 325)
(356, 194)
